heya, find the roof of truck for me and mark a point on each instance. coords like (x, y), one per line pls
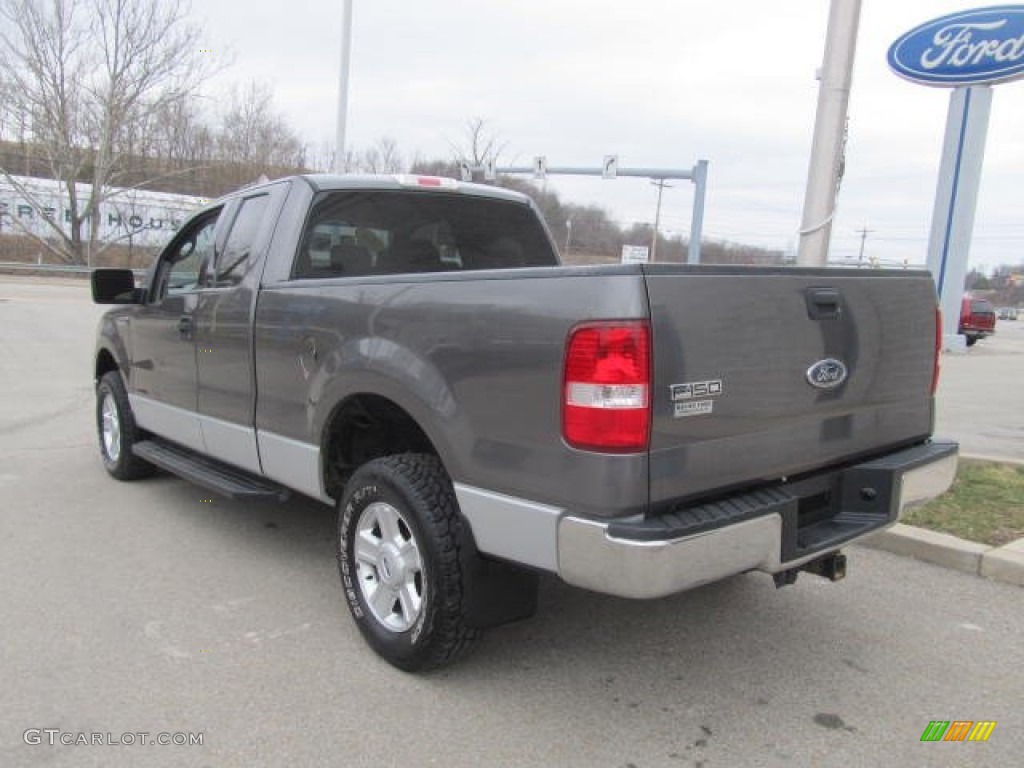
(419, 182)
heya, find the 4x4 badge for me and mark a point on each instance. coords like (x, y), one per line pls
(827, 374)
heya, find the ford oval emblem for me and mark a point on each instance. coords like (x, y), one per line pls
(985, 45)
(827, 374)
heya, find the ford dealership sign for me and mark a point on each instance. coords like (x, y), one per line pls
(985, 45)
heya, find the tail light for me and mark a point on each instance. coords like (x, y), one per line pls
(938, 349)
(607, 387)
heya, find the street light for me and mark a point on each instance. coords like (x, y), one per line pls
(346, 50)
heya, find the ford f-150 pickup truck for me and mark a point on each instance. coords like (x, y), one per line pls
(409, 350)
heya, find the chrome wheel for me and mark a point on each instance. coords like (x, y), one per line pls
(389, 567)
(111, 426)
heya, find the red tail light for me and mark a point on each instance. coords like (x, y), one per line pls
(938, 349)
(607, 387)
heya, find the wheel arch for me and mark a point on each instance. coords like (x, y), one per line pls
(105, 363)
(364, 426)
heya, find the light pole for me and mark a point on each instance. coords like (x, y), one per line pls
(829, 133)
(346, 51)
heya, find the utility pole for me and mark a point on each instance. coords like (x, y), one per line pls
(829, 133)
(660, 184)
(864, 232)
(346, 55)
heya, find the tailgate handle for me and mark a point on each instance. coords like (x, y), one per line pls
(823, 303)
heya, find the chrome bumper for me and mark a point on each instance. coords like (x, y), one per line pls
(589, 557)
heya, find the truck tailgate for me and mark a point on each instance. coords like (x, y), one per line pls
(749, 370)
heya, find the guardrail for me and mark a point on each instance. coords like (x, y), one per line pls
(64, 269)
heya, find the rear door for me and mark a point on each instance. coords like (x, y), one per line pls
(226, 398)
(760, 374)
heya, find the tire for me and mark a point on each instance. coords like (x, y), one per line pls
(399, 545)
(972, 340)
(116, 429)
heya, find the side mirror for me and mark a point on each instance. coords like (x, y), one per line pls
(114, 286)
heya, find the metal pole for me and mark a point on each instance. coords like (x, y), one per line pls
(956, 201)
(346, 50)
(700, 188)
(829, 133)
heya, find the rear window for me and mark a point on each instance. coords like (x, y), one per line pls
(383, 232)
(981, 307)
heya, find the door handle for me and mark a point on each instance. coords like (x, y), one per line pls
(823, 303)
(185, 327)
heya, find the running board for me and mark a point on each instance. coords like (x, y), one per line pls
(209, 473)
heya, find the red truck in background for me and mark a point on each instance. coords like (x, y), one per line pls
(977, 319)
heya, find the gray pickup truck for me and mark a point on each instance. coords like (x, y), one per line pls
(409, 350)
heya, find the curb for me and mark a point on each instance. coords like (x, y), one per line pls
(992, 459)
(1004, 564)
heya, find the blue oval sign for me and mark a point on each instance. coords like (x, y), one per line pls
(985, 45)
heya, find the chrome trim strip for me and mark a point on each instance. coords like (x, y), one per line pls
(292, 463)
(168, 421)
(519, 530)
(231, 443)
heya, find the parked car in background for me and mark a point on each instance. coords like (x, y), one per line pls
(1007, 313)
(977, 319)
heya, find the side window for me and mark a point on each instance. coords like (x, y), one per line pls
(234, 261)
(180, 269)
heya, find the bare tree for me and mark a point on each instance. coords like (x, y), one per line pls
(252, 134)
(87, 74)
(478, 146)
(382, 157)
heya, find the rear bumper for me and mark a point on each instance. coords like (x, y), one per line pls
(772, 530)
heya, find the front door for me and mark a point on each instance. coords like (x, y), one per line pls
(162, 375)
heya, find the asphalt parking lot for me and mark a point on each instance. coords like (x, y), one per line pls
(150, 607)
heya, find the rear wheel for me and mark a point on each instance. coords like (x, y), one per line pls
(972, 340)
(117, 431)
(399, 541)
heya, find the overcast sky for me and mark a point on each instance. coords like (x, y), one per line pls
(657, 82)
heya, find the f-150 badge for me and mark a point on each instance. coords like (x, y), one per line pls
(827, 374)
(695, 389)
(685, 398)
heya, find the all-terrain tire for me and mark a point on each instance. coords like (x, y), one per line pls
(399, 540)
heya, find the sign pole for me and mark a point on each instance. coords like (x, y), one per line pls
(956, 201)
(829, 133)
(969, 51)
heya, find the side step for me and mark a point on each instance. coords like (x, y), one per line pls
(209, 473)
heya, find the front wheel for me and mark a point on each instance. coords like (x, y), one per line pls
(399, 541)
(116, 430)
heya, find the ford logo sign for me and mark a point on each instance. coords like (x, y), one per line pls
(826, 374)
(985, 45)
